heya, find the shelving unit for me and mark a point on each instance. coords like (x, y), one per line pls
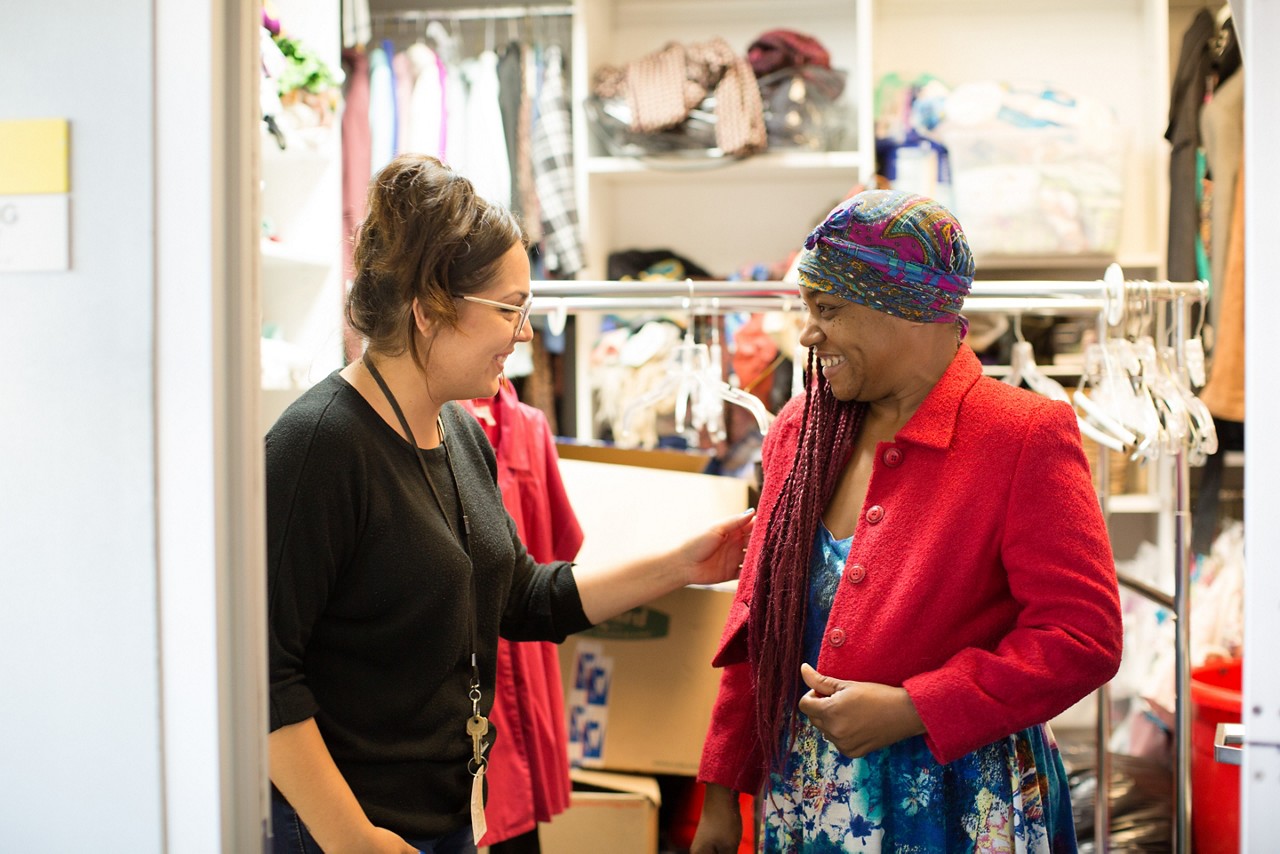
(628, 202)
(302, 288)
(677, 202)
(1043, 42)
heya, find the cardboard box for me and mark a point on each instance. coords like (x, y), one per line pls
(617, 813)
(639, 688)
(692, 462)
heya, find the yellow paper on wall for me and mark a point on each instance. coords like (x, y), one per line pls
(33, 157)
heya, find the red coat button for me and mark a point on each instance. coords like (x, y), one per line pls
(836, 637)
(855, 573)
(874, 514)
(892, 457)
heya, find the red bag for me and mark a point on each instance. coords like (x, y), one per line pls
(786, 49)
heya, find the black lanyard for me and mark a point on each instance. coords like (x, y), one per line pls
(462, 536)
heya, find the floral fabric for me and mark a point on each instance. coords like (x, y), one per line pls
(1009, 796)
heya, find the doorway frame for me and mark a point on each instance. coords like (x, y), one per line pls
(209, 483)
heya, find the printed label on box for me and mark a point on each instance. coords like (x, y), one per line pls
(587, 706)
(641, 623)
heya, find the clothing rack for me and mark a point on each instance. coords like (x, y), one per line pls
(1032, 297)
(477, 13)
(1106, 299)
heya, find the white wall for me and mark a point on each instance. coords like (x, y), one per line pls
(1259, 26)
(79, 708)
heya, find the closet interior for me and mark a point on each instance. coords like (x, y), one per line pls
(667, 326)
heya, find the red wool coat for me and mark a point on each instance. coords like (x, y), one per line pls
(529, 764)
(980, 577)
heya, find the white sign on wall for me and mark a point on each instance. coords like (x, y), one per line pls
(35, 233)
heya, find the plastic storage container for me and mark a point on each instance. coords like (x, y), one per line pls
(1037, 191)
(1215, 786)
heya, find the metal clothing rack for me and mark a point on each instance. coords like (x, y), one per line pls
(476, 13)
(1105, 299)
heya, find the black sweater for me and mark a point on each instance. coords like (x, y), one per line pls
(369, 594)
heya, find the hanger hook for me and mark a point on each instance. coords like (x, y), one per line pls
(1113, 289)
(1017, 327)
(1201, 310)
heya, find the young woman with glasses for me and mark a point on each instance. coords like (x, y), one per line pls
(393, 566)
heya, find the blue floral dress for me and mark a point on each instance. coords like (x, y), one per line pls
(1011, 795)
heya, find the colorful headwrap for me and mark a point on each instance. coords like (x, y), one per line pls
(895, 252)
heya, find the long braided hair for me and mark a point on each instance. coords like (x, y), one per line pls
(776, 640)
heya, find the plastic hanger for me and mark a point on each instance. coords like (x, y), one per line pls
(1105, 397)
(694, 377)
(1025, 371)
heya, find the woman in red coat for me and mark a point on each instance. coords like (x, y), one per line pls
(930, 580)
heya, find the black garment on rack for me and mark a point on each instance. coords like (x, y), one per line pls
(631, 263)
(510, 91)
(1228, 59)
(1185, 101)
(1204, 515)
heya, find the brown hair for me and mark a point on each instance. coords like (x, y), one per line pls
(778, 602)
(427, 237)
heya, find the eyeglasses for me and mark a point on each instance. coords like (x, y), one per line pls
(521, 312)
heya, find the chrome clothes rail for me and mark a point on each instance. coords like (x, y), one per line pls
(477, 13)
(1108, 300)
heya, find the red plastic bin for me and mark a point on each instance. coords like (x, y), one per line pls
(1215, 786)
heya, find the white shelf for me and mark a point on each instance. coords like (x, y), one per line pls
(769, 163)
(282, 257)
(1064, 262)
(1139, 503)
(1041, 262)
(300, 297)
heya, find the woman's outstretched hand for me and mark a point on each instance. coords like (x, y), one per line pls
(717, 554)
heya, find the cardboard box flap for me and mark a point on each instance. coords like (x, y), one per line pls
(646, 787)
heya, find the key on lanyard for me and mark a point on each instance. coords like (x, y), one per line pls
(477, 728)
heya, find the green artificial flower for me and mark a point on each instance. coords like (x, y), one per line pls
(305, 69)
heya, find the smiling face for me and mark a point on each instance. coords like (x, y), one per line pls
(466, 361)
(862, 352)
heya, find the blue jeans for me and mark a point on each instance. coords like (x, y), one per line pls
(290, 836)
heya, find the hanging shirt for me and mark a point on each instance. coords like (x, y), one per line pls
(382, 111)
(1222, 129)
(524, 140)
(454, 151)
(553, 171)
(356, 163)
(426, 104)
(357, 23)
(1183, 133)
(486, 163)
(402, 74)
(510, 91)
(456, 95)
(529, 762)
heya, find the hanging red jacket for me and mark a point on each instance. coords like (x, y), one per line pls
(529, 764)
